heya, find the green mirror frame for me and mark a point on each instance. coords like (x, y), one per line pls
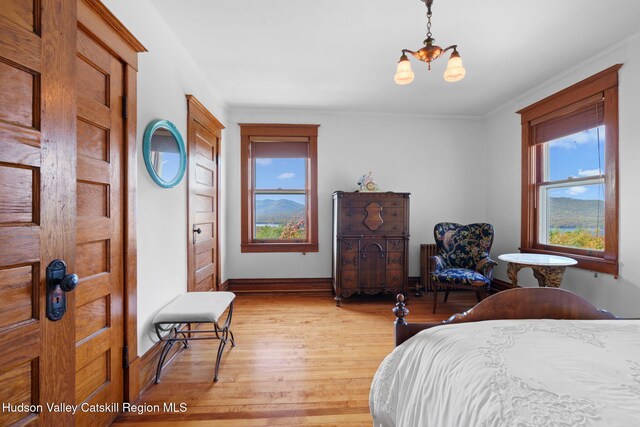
(146, 151)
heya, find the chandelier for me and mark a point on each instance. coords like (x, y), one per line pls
(454, 72)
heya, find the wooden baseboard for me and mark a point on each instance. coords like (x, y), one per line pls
(303, 285)
(132, 380)
(500, 285)
(322, 285)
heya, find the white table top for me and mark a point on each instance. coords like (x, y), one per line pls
(539, 259)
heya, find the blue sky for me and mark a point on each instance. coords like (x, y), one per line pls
(281, 173)
(577, 155)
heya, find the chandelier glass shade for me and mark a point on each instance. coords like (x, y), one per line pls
(404, 75)
(455, 70)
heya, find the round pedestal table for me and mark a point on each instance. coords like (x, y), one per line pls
(548, 269)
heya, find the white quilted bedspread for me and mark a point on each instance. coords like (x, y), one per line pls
(513, 373)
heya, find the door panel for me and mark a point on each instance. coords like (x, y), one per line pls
(99, 229)
(203, 146)
(37, 203)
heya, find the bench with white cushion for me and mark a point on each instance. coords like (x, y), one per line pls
(194, 307)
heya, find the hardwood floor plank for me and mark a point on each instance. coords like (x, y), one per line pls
(300, 361)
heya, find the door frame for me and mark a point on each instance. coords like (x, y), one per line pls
(197, 112)
(100, 24)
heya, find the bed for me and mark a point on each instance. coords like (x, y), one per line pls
(511, 361)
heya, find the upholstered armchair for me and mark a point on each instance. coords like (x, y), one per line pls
(463, 259)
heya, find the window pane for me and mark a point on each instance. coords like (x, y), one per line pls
(281, 173)
(573, 216)
(279, 216)
(576, 156)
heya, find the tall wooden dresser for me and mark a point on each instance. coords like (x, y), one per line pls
(370, 243)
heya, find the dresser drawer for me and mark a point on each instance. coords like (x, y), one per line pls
(360, 214)
(395, 279)
(349, 278)
(362, 202)
(395, 260)
(349, 260)
(387, 227)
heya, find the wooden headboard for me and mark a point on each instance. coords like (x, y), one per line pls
(519, 303)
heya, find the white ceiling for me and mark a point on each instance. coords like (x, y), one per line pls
(341, 54)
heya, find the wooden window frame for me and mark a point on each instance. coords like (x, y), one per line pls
(249, 131)
(603, 84)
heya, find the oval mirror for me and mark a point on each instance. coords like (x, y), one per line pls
(164, 153)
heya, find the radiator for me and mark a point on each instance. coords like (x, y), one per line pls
(426, 265)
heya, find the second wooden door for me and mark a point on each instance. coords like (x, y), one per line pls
(203, 142)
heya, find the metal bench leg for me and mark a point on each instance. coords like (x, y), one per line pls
(185, 339)
(225, 335)
(223, 342)
(163, 355)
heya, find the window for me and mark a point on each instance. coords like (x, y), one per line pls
(569, 174)
(279, 188)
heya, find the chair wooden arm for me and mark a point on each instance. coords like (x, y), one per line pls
(485, 267)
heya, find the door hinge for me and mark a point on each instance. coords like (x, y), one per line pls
(125, 112)
(125, 357)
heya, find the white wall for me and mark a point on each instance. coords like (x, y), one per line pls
(166, 74)
(502, 138)
(433, 158)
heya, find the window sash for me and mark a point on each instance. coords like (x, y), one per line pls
(267, 149)
(307, 218)
(293, 148)
(541, 203)
(603, 85)
(279, 191)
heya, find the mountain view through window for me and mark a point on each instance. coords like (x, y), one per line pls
(280, 198)
(572, 201)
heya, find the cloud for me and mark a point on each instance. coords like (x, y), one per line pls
(588, 172)
(574, 191)
(570, 142)
(286, 175)
(264, 162)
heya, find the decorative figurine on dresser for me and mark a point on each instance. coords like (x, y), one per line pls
(370, 243)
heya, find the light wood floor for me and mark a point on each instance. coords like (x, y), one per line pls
(299, 360)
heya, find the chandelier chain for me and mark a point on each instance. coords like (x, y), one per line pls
(429, 24)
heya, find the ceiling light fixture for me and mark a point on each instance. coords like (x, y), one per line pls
(454, 72)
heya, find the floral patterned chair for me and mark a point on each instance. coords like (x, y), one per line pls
(463, 259)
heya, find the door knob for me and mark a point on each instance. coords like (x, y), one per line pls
(69, 282)
(195, 230)
(58, 284)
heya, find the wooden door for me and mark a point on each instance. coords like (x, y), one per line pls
(99, 263)
(203, 141)
(37, 205)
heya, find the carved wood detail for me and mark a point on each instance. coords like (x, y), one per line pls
(373, 219)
